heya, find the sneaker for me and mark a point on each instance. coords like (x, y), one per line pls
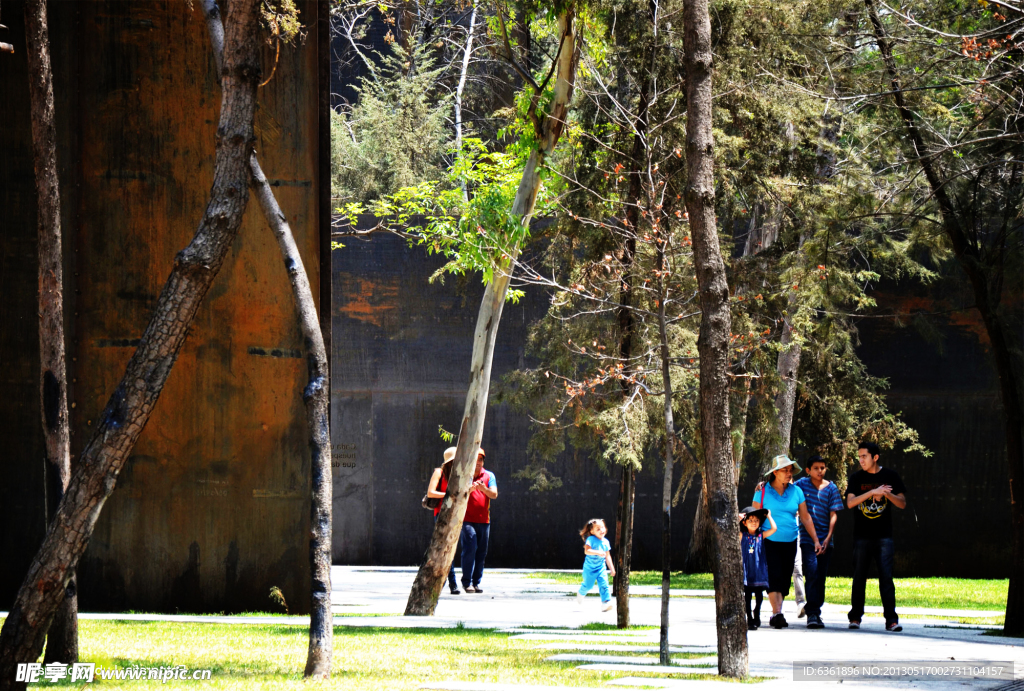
(855, 624)
(893, 626)
(800, 613)
(455, 590)
(607, 606)
(814, 622)
(778, 621)
(476, 589)
(579, 600)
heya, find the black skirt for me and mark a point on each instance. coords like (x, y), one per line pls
(780, 557)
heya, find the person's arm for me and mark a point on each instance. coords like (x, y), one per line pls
(832, 518)
(758, 488)
(770, 531)
(854, 500)
(897, 500)
(608, 562)
(489, 488)
(435, 479)
(805, 518)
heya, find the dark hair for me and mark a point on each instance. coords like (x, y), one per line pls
(743, 528)
(588, 529)
(814, 459)
(871, 447)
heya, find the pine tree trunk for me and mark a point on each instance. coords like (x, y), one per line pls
(431, 575)
(624, 545)
(700, 553)
(316, 396)
(132, 402)
(713, 342)
(62, 639)
(788, 366)
(666, 486)
(967, 255)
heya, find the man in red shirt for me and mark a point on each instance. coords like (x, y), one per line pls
(476, 527)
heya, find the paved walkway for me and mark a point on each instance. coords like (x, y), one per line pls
(539, 611)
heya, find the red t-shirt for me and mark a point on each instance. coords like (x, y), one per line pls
(442, 486)
(478, 510)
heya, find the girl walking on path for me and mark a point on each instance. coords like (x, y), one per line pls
(786, 502)
(598, 555)
(755, 570)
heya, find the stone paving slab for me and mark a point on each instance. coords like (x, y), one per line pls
(627, 660)
(625, 648)
(491, 686)
(658, 669)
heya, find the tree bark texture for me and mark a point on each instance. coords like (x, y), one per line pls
(713, 343)
(434, 570)
(624, 544)
(315, 395)
(788, 365)
(666, 487)
(969, 258)
(62, 639)
(132, 402)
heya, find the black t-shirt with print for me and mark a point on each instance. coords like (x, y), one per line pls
(872, 518)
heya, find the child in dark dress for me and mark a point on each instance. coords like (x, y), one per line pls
(755, 569)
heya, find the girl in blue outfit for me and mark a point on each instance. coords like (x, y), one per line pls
(598, 552)
(755, 569)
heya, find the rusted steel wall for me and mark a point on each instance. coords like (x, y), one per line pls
(401, 366)
(22, 508)
(212, 508)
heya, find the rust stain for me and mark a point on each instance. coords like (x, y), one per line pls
(368, 301)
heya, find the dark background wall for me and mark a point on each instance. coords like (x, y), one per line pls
(212, 508)
(401, 367)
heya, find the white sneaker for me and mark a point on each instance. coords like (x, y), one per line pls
(800, 613)
(579, 600)
(607, 606)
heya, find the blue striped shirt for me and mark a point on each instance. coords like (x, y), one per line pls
(820, 504)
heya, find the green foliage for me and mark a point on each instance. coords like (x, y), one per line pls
(397, 134)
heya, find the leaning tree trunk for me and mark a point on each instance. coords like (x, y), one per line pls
(968, 256)
(62, 639)
(132, 402)
(666, 487)
(316, 396)
(713, 342)
(431, 575)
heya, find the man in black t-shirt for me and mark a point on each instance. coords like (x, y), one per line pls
(872, 492)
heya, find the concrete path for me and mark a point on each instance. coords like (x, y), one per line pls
(529, 609)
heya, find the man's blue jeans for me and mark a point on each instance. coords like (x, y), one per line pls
(882, 552)
(474, 551)
(815, 573)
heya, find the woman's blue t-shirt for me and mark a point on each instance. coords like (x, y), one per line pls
(596, 543)
(784, 510)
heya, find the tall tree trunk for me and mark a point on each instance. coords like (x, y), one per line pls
(316, 395)
(467, 53)
(627, 325)
(666, 486)
(970, 260)
(788, 365)
(62, 639)
(713, 342)
(132, 402)
(700, 553)
(624, 544)
(432, 573)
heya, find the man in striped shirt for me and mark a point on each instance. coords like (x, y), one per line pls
(823, 501)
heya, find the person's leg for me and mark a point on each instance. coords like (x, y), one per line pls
(820, 577)
(483, 534)
(758, 599)
(798, 579)
(468, 543)
(748, 594)
(602, 585)
(589, 576)
(861, 557)
(810, 568)
(886, 587)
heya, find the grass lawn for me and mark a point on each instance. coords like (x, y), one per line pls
(944, 593)
(271, 656)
